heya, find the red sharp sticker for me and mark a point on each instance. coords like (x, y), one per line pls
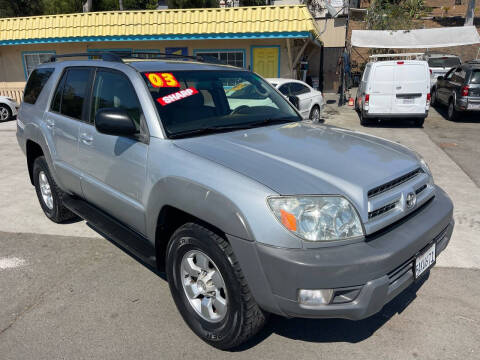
(179, 95)
(159, 80)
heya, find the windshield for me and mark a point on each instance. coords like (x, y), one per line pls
(191, 101)
(444, 62)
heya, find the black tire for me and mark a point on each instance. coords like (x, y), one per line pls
(357, 109)
(4, 109)
(243, 318)
(58, 213)
(433, 97)
(452, 113)
(312, 113)
(364, 121)
(419, 122)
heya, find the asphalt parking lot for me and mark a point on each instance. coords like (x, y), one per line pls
(67, 293)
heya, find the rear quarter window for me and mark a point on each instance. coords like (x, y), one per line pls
(35, 84)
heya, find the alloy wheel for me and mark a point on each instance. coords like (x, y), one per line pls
(4, 114)
(45, 190)
(204, 286)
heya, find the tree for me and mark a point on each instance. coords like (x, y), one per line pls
(470, 15)
(395, 14)
(186, 4)
(62, 6)
(11, 8)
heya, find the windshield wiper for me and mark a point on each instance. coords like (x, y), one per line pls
(217, 129)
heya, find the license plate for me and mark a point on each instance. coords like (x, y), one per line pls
(408, 101)
(424, 261)
(474, 106)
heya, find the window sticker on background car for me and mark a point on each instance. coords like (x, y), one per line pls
(179, 95)
(159, 80)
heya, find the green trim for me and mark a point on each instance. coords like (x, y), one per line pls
(24, 63)
(265, 46)
(243, 51)
(218, 36)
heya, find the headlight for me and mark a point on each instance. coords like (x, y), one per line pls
(425, 168)
(317, 218)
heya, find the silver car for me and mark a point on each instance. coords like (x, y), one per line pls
(248, 209)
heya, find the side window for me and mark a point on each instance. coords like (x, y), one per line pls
(298, 89)
(73, 93)
(284, 89)
(57, 98)
(366, 72)
(35, 84)
(459, 75)
(113, 90)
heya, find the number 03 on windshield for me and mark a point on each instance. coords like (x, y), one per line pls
(159, 80)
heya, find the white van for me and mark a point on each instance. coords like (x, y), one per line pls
(397, 88)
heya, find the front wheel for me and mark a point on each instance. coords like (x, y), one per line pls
(209, 288)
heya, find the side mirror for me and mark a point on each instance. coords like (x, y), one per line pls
(440, 78)
(294, 100)
(113, 121)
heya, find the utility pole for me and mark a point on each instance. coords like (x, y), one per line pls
(120, 5)
(470, 15)
(87, 6)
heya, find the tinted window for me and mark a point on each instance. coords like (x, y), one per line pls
(57, 98)
(74, 92)
(297, 89)
(366, 73)
(445, 62)
(284, 89)
(475, 78)
(35, 84)
(114, 90)
(459, 76)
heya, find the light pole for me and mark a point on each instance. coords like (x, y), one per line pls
(470, 15)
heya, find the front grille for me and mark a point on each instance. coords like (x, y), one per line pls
(420, 189)
(391, 184)
(382, 210)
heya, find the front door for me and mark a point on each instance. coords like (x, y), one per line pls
(114, 167)
(266, 61)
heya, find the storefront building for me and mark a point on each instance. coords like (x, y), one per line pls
(269, 40)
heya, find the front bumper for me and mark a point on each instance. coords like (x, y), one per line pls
(379, 268)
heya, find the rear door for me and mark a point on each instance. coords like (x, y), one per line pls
(380, 88)
(67, 111)
(304, 95)
(412, 84)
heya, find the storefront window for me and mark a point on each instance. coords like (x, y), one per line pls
(229, 57)
(30, 60)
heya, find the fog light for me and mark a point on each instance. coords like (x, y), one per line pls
(315, 297)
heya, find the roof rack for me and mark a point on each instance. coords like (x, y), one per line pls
(405, 56)
(120, 56)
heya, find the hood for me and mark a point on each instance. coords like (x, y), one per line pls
(300, 158)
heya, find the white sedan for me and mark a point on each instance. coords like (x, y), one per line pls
(8, 108)
(310, 101)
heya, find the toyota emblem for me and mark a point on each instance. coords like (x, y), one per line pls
(411, 200)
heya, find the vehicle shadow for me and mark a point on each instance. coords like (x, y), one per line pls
(335, 330)
(464, 118)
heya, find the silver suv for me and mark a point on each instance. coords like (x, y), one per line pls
(248, 209)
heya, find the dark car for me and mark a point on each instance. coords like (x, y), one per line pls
(459, 89)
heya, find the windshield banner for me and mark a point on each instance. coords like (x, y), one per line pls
(179, 95)
(159, 80)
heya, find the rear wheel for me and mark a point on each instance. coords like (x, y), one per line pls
(315, 114)
(364, 121)
(5, 112)
(48, 193)
(209, 288)
(452, 113)
(419, 122)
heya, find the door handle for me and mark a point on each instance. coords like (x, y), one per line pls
(50, 123)
(86, 139)
(399, 87)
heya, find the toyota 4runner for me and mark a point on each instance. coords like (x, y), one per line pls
(249, 211)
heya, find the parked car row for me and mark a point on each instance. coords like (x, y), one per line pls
(406, 88)
(8, 108)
